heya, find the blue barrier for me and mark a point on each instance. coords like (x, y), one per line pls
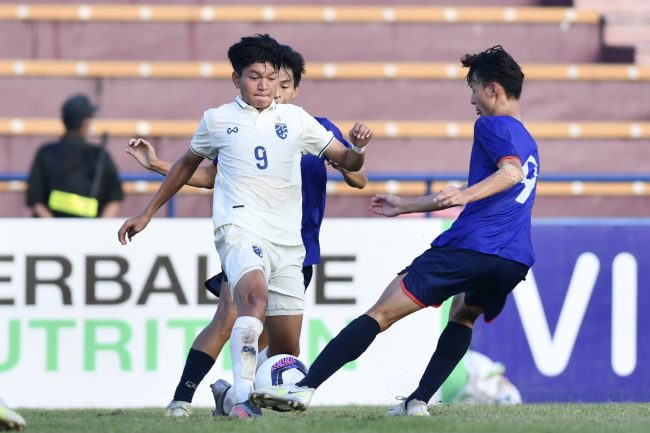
(427, 178)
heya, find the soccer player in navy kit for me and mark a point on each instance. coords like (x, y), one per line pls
(210, 341)
(478, 261)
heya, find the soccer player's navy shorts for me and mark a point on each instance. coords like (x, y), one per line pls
(442, 272)
(213, 284)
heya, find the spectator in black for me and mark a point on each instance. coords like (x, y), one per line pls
(71, 177)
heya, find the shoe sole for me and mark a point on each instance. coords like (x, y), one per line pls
(276, 404)
(10, 425)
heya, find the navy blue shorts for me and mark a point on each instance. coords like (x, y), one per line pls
(213, 284)
(442, 272)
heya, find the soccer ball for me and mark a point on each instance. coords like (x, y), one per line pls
(278, 370)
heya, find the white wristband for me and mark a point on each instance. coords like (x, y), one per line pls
(357, 149)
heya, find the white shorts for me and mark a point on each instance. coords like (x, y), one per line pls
(242, 251)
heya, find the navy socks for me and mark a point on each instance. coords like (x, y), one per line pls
(452, 346)
(197, 365)
(347, 346)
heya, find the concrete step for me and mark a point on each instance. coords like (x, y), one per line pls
(392, 155)
(554, 43)
(618, 6)
(336, 99)
(304, 2)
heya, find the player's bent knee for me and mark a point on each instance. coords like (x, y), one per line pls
(384, 319)
(465, 315)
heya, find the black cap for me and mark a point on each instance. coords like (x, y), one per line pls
(75, 110)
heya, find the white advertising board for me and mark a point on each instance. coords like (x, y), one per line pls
(87, 322)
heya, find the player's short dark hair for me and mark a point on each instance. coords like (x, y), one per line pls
(294, 61)
(254, 49)
(495, 65)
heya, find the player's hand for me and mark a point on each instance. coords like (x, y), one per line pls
(450, 197)
(132, 227)
(360, 134)
(386, 205)
(143, 152)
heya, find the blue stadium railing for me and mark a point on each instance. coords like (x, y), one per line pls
(427, 178)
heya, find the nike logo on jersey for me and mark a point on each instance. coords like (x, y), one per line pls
(231, 130)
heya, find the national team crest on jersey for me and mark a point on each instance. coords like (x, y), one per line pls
(281, 130)
(258, 251)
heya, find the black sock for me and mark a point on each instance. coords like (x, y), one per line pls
(197, 365)
(452, 346)
(351, 342)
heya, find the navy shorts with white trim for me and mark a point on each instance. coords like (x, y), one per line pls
(442, 272)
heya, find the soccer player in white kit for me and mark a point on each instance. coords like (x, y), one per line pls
(257, 205)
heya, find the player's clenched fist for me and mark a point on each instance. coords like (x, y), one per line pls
(360, 134)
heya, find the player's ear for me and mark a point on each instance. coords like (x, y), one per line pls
(296, 90)
(236, 79)
(495, 89)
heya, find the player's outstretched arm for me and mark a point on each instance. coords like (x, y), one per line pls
(392, 205)
(355, 179)
(143, 152)
(351, 159)
(178, 175)
(509, 174)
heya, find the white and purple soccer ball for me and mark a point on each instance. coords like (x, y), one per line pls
(278, 370)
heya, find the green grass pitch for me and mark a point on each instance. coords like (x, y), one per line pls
(530, 418)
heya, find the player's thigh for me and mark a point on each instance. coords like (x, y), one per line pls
(286, 284)
(440, 273)
(242, 253)
(393, 305)
(284, 334)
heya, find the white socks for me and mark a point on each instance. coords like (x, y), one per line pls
(229, 400)
(243, 351)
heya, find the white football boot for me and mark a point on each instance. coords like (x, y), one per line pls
(414, 408)
(178, 409)
(10, 419)
(282, 397)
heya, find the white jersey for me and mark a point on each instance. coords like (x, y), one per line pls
(258, 184)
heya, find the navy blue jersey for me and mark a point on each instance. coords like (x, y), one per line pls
(499, 224)
(314, 183)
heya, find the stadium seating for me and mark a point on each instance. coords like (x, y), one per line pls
(627, 23)
(154, 66)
